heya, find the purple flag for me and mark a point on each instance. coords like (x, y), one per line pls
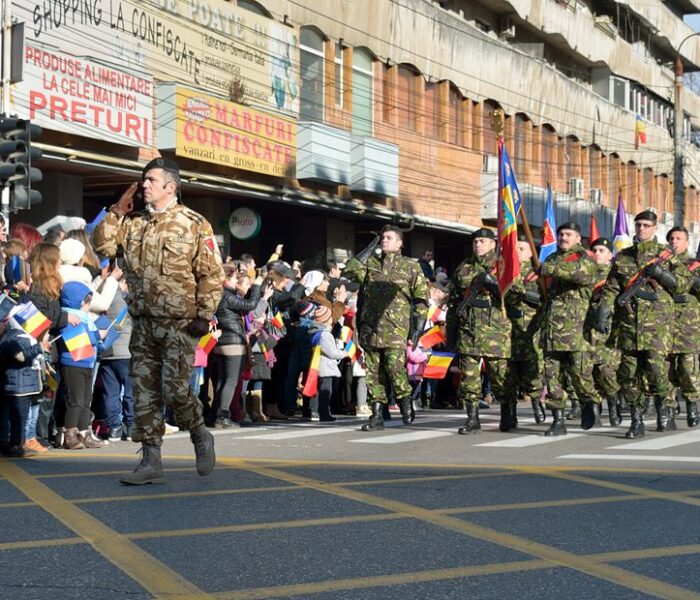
(621, 235)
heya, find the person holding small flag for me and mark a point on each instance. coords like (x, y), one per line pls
(640, 288)
(477, 328)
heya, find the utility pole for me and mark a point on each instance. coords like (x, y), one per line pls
(6, 67)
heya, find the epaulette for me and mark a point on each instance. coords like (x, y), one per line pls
(191, 214)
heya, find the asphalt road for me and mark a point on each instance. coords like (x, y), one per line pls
(301, 510)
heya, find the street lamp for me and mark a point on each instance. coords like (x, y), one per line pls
(678, 191)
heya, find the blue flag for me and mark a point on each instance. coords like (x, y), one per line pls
(549, 227)
(90, 227)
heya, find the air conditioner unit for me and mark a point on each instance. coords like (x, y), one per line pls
(575, 187)
(667, 218)
(695, 227)
(490, 164)
(506, 28)
(596, 196)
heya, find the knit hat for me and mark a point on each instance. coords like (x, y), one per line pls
(74, 293)
(311, 281)
(323, 315)
(71, 251)
(306, 310)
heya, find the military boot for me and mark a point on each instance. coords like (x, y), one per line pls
(376, 421)
(691, 409)
(203, 442)
(538, 409)
(590, 414)
(649, 409)
(149, 470)
(636, 429)
(408, 414)
(665, 415)
(614, 411)
(575, 413)
(472, 424)
(506, 423)
(558, 426)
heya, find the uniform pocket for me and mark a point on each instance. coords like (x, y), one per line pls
(178, 254)
(132, 253)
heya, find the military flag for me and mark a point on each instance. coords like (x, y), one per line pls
(77, 341)
(549, 227)
(438, 365)
(311, 384)
(508, 209)
(32, 320)
(640, 132)
(621, 236)
(594, 229)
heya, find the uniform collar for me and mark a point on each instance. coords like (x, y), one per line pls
(154, 211)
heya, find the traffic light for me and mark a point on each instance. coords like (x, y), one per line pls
(17, 156)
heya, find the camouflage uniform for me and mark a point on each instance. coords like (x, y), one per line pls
(391, 284)
(482, 332)
(644, 331)
(571, 275)
(683, 368)
(175, 275)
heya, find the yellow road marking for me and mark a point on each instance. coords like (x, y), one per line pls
(34, 544)
(147, 571)
(610, 573)
(173, 495)
(643, 553)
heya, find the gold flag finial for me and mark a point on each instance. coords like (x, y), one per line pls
(496, 117)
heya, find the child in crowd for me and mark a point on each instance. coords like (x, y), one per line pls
(22, 359)
(416, 360)
(76, 375)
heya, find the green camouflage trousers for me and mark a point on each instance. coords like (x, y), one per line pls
(524, 376)
(162, 357)
(470, 378)
(684, 374)
(605, 375)
(643, 371)
(569, 368)
(386, 365)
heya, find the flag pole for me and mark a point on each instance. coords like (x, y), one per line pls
(497, 119)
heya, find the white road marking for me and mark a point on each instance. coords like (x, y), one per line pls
(400, 438)
(644, 457)
(525, 441)
(661, 442)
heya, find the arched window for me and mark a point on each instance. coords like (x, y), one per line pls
(630, 193)
(614, 183)
(362, 77)
(456, 118)
(520, 152)
(488, 134)
(432, 110)
(312, 59)
(548, 153)
(406, 97)
(648, 190)
(254, 7)
(571, 157)
(595, 167)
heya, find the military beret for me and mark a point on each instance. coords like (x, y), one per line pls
(161, 163)
(601, 241)
(674, 229)
(489, 234)
(570, 225)
(646, 215)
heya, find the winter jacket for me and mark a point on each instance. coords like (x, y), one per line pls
(232, 308)
(120, 348)
(415, 363)
(330, 355)
(20, 355)
(100, 300)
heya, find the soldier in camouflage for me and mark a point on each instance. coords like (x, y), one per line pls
(606, 360)
(571, 275)
(477, 328)
(175, 275)
(392, 287)
(684, 373)
(643, 328)
(524, 376)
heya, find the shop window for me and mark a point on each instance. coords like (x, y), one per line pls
(362, 100)
(312, 59)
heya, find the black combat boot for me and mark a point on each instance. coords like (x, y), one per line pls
(648, 407)
(408, 414)
(636, 429)
(506, 423)
(149, 470)
(590, 415)
(575, 413)
(203, 442)
(614, 411)
(691, 409)
(665, 415)
(538, 409)
(558, 427)
(376, 421)
(472, 424)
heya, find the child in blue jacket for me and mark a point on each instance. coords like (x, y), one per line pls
(76, 376)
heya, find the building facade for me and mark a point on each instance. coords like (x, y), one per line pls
(326, 119)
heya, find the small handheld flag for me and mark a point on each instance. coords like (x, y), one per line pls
(640, 132)
(435, 314)
(438, 364)
(90, 227)
(32, 320)
(352, 350)
(345, 334)
(207, 343)
(277, 320)
(432, 337)
(77, 341)
(311, 384)
(120, 318)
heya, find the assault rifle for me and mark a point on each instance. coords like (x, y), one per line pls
(470, 298)
(640, 279)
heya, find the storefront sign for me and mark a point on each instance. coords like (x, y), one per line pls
(210, 44)
(233, 135)
(82, 97)
(244, 223)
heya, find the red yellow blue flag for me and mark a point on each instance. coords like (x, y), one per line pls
(508, 209)
(549, 239)
(311, 384)
(77, 341)
(32, 320)
(438, 364)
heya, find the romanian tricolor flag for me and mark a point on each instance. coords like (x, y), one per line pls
(206, 343)
(508, 209)
(640, 132)
(32, 320)
(435, 313)
(266, 352)
(438, 364)
(311, 385)
(345, 334)
(277, 320)
(431, 337)
(77, 341)
(352, 350)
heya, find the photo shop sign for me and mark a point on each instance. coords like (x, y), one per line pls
(75, 95)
